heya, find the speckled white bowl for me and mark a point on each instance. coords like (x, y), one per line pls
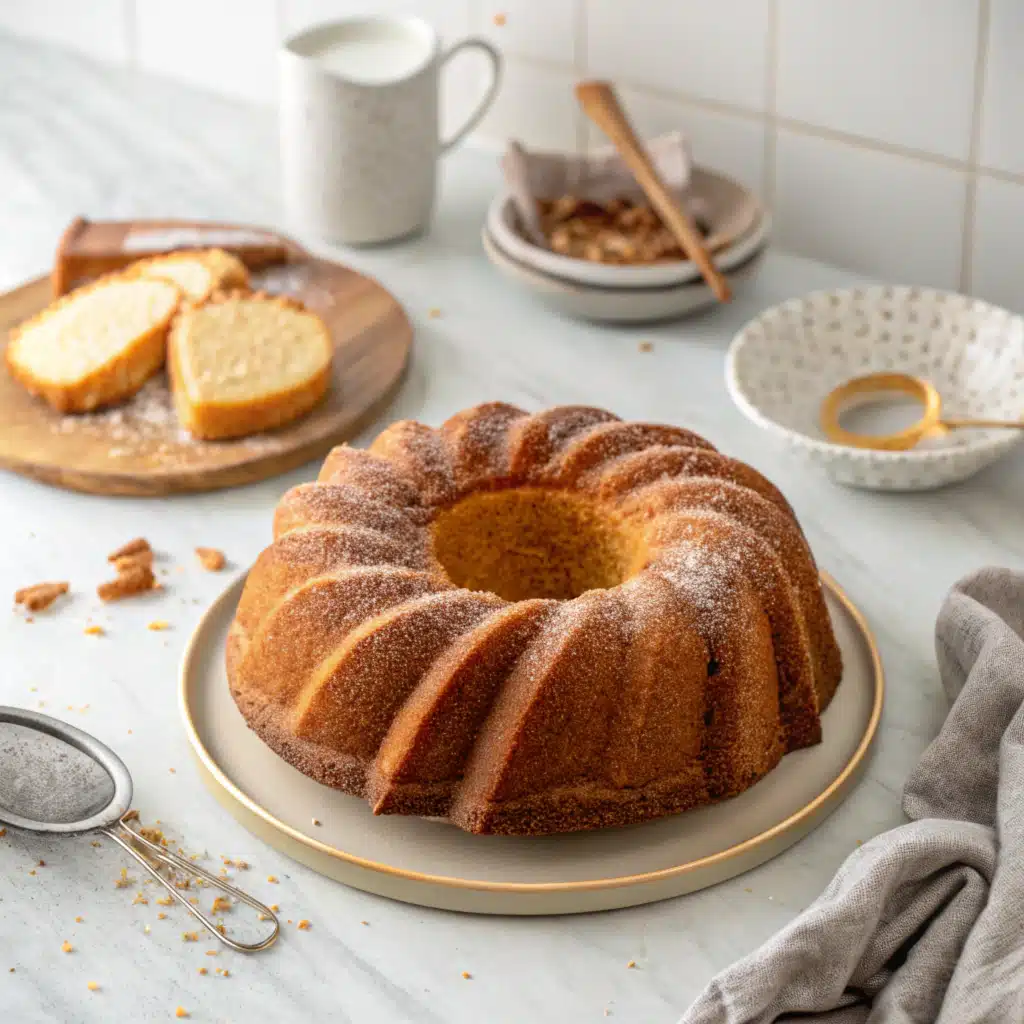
(783, 363)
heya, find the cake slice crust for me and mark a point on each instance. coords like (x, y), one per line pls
(241, 363)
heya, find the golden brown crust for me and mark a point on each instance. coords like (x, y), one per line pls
(115, 381)
(364, 664)
(215, 421)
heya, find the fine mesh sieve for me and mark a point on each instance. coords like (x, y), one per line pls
(57, 779)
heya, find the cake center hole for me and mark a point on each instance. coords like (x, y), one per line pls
(530, 542)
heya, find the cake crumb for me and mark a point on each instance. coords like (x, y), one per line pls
(94, 631)
(274, 907)
(3, 832)
(92, 986)
(467, 975)
(134, 547)
(316, 821)
(158, 624)
(161, 916)
(304, 925)
(172, 771)
(40, 595)
(211, 952)
(433, 313)
(66, 947)
(189, 936)
(220, 905)
(79, 920)
(646, 346)
(181, 1012)
(272, 878)
(500, 20)
(203, 970)
(631, 964)
(136, 580)
(211, 559)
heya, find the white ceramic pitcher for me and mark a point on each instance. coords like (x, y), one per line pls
(360, 128)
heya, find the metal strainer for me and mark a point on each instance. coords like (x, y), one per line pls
(56, 779)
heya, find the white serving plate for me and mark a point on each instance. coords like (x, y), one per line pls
(435, 864)
(602, 304)
(783, 363)
(734, 214)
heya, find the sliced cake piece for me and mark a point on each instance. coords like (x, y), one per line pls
(97, 345)
(241, 363)
(198, 273)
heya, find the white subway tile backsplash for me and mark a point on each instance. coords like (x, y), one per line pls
(98, 28)
(725, 142)
(1002, 137)
(537, 106)
(900, 71)
(998, 253)
(892, 216)
(882, 73)
(228, 46)
(451, 18)
(715, 51)
(541, 29)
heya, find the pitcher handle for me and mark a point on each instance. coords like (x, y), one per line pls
(494, 56)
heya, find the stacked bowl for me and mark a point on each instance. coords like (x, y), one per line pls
(737, 229)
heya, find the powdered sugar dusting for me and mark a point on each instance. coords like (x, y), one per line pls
(168, 239)
(147, 425)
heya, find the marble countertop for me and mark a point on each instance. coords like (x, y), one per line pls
(77, 138)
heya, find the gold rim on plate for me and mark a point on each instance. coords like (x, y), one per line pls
(222, 785)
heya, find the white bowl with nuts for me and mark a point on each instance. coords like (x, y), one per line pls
(621, 243)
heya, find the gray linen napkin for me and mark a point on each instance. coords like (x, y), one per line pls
(925, 922)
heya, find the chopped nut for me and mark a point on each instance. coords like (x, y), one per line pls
(365, 922)
(133, 547)
(211, 559)
(140, 558)
(66, 947)
(94, 631)
(136, 580)
(316, 821)
(39, 595)
(157, 625)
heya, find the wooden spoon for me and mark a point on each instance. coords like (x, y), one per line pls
(601, 105)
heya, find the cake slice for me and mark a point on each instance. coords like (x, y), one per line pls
(198, 273)
(240, 363)
(97, 345)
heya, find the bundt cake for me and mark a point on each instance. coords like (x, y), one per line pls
(529, 624)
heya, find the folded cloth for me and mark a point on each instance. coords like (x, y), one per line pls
(922, 923)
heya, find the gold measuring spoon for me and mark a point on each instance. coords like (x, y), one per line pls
(931, 424)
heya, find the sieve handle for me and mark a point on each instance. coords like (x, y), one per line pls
(121, 830)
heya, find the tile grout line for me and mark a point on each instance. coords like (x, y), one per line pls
(768, 172)
(580, 65)
(974, 148)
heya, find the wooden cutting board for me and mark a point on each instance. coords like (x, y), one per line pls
(139, 448)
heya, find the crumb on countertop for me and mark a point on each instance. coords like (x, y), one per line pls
(211, 559)
(40, 595)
